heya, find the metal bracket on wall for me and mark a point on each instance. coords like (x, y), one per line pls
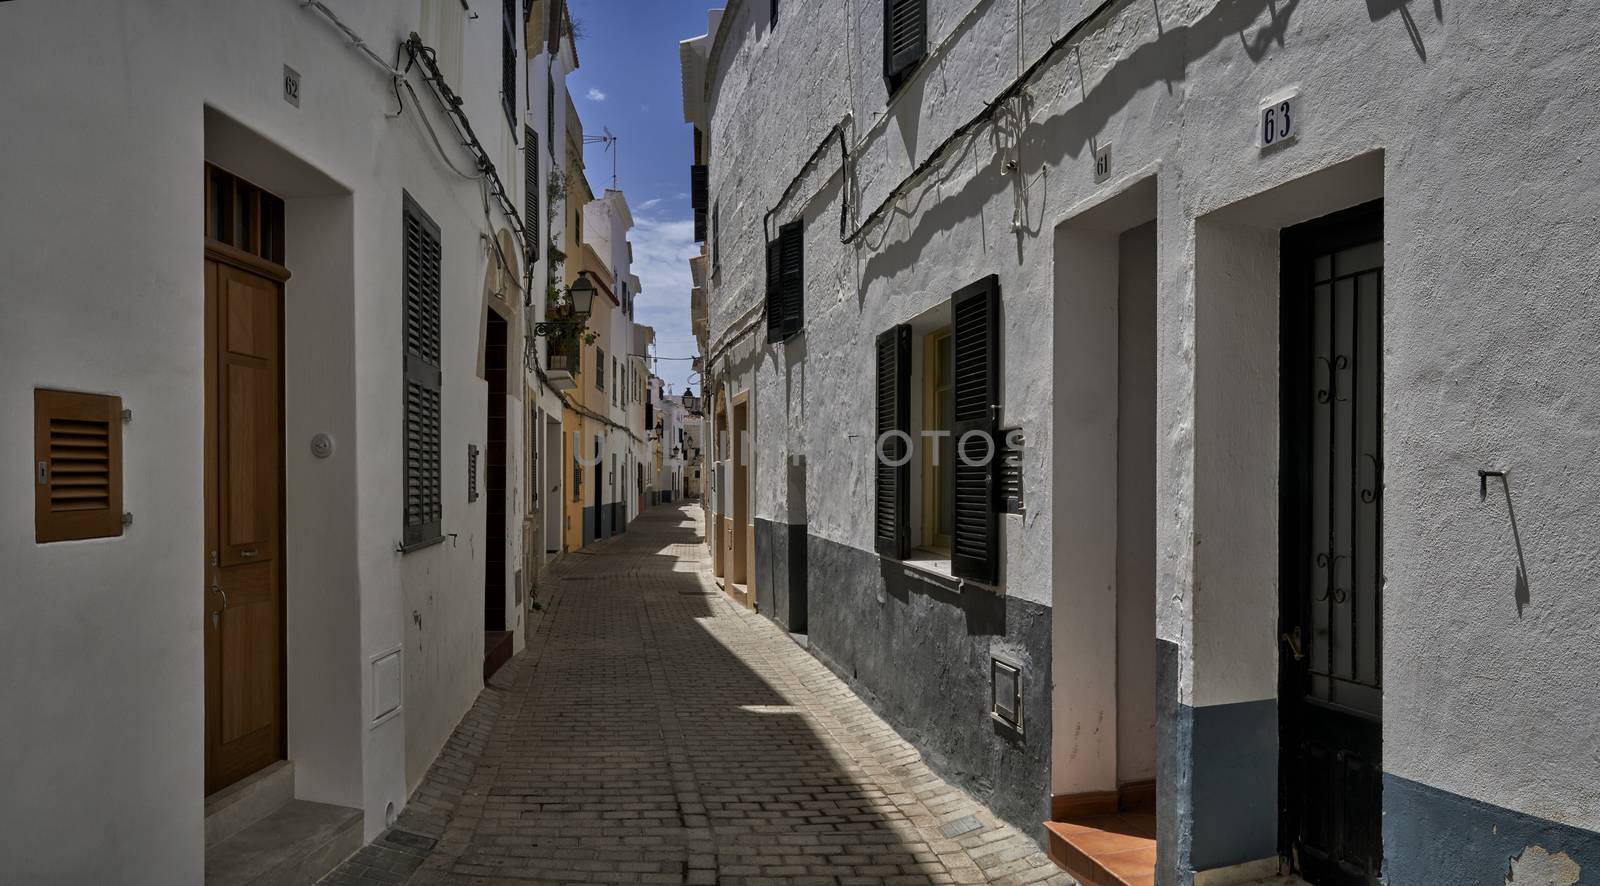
(1483, 482)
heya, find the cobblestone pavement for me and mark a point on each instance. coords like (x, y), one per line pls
(655, 732)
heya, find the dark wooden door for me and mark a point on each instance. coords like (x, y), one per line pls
(243, 597)
(1331, 694)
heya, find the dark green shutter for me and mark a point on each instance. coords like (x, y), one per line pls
(792, 276)
(422, 255)
(530, 201)
(975, 351)
(892, 482)
(905, 36)
(774, 291)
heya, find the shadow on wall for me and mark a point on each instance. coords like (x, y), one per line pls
(1049, 142)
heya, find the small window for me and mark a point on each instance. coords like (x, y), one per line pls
(773, 22)
(716, 236)
(77, 451)
(599, 369)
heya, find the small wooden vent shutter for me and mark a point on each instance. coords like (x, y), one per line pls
(905, 35)
(892, 484)
(530, 197)
(77, 446)
(975, 350)
(424, 501)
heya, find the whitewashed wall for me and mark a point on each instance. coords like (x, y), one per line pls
(101, 664)
(1470, 119)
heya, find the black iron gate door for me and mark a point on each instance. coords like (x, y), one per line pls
(1331, 579)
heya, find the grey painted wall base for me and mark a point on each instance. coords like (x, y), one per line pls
(1174, 771)
(780, 567)
(920, 656)
(1432, 836)
(1234, 788)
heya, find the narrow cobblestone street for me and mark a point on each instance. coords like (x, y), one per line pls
(654, 732)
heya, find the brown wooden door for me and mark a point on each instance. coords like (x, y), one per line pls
(244, 493)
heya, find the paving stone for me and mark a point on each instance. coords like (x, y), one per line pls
(655, 732)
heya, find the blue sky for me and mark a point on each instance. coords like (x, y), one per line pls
(628, 81)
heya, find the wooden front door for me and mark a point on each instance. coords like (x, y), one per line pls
(1331, 691)
(243, 595)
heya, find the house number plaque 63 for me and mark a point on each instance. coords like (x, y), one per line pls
(1280, 121)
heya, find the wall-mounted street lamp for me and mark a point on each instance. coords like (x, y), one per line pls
(580, 295)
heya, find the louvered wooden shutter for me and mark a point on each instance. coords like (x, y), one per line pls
(774, 291)
(424, 501)
(552, 31)
(975, 351)
(530, 197)
(905, 35)
(77, 447)
(892, 483)
(699, 186)
(716, 236)
(510, 21)
(792, 277)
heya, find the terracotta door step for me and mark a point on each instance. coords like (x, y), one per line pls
(1106, 850)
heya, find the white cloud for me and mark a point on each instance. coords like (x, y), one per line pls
(652, 203)
(595, 95)
(661, 252)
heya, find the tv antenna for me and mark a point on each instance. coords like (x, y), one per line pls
(610, 141)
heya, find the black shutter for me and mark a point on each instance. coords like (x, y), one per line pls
(552, 31)
(774, 291)
(792, 277)
(716, 238)
(699, 226)
(699, 184)
(424, 503)
(509, 21)
(550, 111)
(773, 23)
(975, 351)
(892, 483)
(530, 197)
(905, 36)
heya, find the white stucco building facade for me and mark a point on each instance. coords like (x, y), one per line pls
(301, 238)
(1267, 296)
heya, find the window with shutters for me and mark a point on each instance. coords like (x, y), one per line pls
(424, 503)
(77, 453)
(530, 196)
(905, 39)
(938, 437)
(786, 283)
(599, 369)
(510, 19)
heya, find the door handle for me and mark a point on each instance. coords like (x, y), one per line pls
(216, 614)
(1293, 642)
